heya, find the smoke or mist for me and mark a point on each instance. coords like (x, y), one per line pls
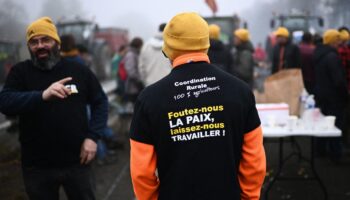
(62, 8)
(258, 16)
(137, 24)
(142, 17)
(335, 12)
(15, 15)
(13, 18)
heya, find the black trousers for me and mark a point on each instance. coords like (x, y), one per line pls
(44, 184)
(332, 146)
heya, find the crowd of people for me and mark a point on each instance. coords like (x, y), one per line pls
(139, 65)
(195, 132)
(324, 62)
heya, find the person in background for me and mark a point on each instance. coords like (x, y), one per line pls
(116, 60)
(270, 43)
(130, 63)
(205, 144)
(307, 66)
(262, 70)
(331, 93)
(117, 71)
(85, 55)
(152, 64)
(344, 53)
(259, 54)
(49, 94)
(69, 50)
(318, 40)
(286, 55)
(218, 54)
(243, 61)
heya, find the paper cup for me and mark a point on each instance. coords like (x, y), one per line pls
(329, 122)
(292, 123)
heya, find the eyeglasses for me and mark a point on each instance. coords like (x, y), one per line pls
(164, 54)
(45, 41)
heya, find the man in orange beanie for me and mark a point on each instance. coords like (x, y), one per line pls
(50, 95)
(286, 55)
(243, 66)
(331, 92)
(198, 127)
(218, 53)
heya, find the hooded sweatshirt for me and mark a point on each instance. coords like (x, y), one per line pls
(153, 65)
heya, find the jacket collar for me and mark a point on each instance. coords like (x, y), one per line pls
(190, 58)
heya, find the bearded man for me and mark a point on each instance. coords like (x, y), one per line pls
(50, 95)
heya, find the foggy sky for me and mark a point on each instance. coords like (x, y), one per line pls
(142, 17)
(139, 16)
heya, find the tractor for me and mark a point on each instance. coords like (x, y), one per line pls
(87, 37)
(228, 25)
(297, 24)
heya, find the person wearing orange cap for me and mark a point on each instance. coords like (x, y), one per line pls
(198, 127)
(218, 53)
(331, 93)
(50, 95)
(243, 66)
(286, 55)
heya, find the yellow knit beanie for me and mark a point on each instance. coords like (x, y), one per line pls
(185, 33)
(242, 34)
(344, 36)
(214, 31)
(43, 26)
(331, 36)
(282, 32)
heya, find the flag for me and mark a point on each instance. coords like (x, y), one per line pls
(212, 5)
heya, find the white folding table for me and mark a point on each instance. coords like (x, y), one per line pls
(281, 133)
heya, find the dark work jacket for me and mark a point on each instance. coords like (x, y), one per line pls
(291, 57)
(52, 132)
(243, 65)
(219, 55)
(307, 66)
(330, 88)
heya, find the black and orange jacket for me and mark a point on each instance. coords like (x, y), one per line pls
(199, 128)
